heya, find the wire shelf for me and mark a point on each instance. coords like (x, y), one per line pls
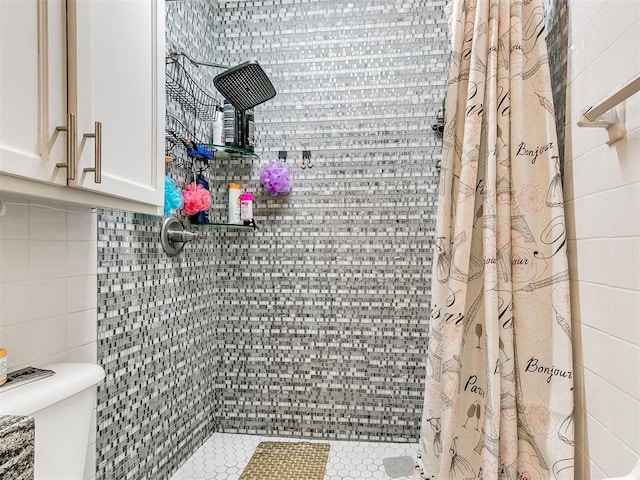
(183, 146)
(184, 89)
(177, 134)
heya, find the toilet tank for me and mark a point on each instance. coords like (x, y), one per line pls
(62, 407)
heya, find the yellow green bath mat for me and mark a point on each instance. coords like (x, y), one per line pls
(287, 461)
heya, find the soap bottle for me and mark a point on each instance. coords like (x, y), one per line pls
(234, 204)
(240, 129)
(248, 130)
(230, 125)
(246, 208)
(217, 131)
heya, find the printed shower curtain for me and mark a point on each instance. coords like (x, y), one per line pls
(499, 391)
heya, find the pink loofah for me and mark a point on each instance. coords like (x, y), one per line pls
(196, 199)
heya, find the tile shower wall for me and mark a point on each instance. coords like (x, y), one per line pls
(557, 37)
(156, 318)
(589, 40)
(604, 54)
(156, 341)
(322, 311)
(314, 324)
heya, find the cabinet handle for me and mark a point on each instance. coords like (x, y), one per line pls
(97, 153)
(71, 128)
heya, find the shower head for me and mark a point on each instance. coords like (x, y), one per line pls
(245, 85)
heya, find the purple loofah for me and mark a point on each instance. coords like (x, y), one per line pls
(276, 178)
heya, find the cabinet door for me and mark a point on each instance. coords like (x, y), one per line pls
(116, 77)
(33, 89)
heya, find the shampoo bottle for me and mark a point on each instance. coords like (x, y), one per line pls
(230, 125)
(234, 204)
(248, 129)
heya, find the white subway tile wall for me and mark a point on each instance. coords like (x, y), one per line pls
(603, 206)
(48, 268)
(45, 265)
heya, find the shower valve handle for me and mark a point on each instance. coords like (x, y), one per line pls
(182, 236)
(173, 236)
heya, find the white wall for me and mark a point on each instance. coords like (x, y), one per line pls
(603, 207)
(48, 291)
(48, 285)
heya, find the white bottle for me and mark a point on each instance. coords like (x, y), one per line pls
(234, 203)
(217, 131)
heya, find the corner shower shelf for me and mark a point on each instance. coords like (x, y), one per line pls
(177, 135)
(181, 141)
(234, 151)
(186, 91)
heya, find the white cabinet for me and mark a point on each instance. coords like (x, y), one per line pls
(33, 89)
(104, 65)
(120, 83)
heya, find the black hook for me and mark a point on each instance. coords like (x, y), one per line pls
(440, 116)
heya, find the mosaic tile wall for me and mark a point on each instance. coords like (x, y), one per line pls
(313, 324)
(322, 311)
(557, 25)
(156, 324)
(157, 344)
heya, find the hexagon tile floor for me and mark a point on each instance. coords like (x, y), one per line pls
(223, 457)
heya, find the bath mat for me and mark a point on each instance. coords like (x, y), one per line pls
(287, 461)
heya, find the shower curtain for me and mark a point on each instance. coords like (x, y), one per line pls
(499, 389)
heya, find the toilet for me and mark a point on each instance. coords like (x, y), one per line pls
(62, 406)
